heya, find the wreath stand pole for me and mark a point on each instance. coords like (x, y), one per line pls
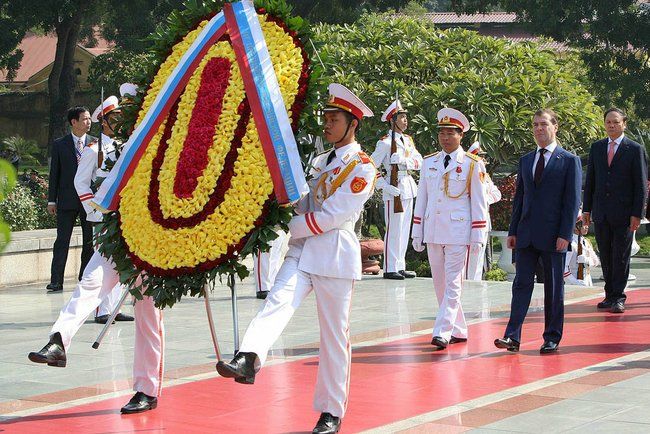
(235, 315)
(213, 332)
(111, 318)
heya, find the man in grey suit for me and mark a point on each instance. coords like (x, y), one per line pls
(615, 192)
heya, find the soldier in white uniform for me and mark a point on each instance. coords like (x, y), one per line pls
(451, 219)
(398, 225)
(581, 252)
(267, 264)
(324, 255)
(476, 263)
(98, 281)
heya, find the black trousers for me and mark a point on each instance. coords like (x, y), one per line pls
(65, 220)
(615, 247)
(522, 291)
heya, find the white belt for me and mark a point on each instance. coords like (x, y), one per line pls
(347, 226)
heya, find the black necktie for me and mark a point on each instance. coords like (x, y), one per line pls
(331, 156)
(539, 167)
(447, 158)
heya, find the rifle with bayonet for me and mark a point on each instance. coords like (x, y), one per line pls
(394, 168)
(100, 148)
(581, 266)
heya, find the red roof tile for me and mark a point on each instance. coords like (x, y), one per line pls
(453, 18)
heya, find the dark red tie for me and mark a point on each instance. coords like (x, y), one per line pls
(539, 167)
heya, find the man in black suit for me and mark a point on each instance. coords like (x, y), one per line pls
(615, 192)
(544, 212)
(63, 200)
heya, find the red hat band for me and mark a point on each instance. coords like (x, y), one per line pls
(109, 109)
(345, 105)
(451, 122)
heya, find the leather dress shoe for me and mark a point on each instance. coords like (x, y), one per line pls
(605, 304)
(618, 307)
(53, 353)
(393, 275)
(123, 317)
(507, 343)
(549, 347)
(102, 319)
(139, 403)
(327, 424)
(455, 340)
(408, 274)
(54, 287)
(241, 368)
(439, 343)
(262, 295)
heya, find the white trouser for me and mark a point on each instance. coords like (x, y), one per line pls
(98, 281)
(447, 267)
(267, 264)
(398, 227)
(108, 304)
(475, 263)
(149, 345)
(333, 300)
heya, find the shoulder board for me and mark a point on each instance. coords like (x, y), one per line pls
(474, 157)
(365, 159)
(431, 155)
(384, 137)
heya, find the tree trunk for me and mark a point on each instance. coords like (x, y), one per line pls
(62, 80)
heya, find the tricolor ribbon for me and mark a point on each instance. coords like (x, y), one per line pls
(261, 86)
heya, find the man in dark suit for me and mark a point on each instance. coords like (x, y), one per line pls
(62, 196)
(544, 211)
(615, 192)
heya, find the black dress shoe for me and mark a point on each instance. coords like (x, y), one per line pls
(139, 403)
(507, 343)
(327, 424)
(605, 304)
(439, 343)
(408, 274)
(455, 340)
(102, 319)
(549, 347)
(122, 317)
(262, 295)
(618, 307)
(53, 353)
(54, 287)
(393, 275)
(241, 368)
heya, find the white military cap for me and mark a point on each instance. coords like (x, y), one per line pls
(476, 149)
(452, 118)
(341, 98)
(392, 110)
(110, 104)
(128, 89)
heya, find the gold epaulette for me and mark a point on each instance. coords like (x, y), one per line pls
(473, 156)
(431, 155)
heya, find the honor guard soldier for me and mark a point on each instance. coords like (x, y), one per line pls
(451, 219)
(267, 264)
(404, 159)
(580, 258)
(96, 285)
(324, 256)
(475, 267)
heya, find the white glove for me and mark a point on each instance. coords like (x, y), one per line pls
(417, 245)
(95, 216)
(581, 259)
(475, 247)
(396, 158)
(393, 191)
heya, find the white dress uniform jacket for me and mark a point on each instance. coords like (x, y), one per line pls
(477, 256)
(412, 161)
(588, 258)
(442, 218)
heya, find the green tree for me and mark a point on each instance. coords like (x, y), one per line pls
(614, 36)
(496, 83)
(7, 183)
(343, 11)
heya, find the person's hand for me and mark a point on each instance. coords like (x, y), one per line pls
(635, 222)
(586, 219)
(51, 208)
(561, 244)
(392, 190)
(396, 158)
(417, 244)
(511, 242)
(581, 259)
(475, 247)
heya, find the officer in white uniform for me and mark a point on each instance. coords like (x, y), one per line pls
(398, 225)
(587, 257)
(324, 255)
(451, 219)
(98, 281)
(476, 263)
(267, 264)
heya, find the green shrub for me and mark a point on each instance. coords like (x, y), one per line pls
(496, 274)
(38, 186)
(19, 210)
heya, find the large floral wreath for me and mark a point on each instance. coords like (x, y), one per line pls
(201, 197)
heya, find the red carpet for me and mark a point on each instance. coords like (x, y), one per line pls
(390, 382)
